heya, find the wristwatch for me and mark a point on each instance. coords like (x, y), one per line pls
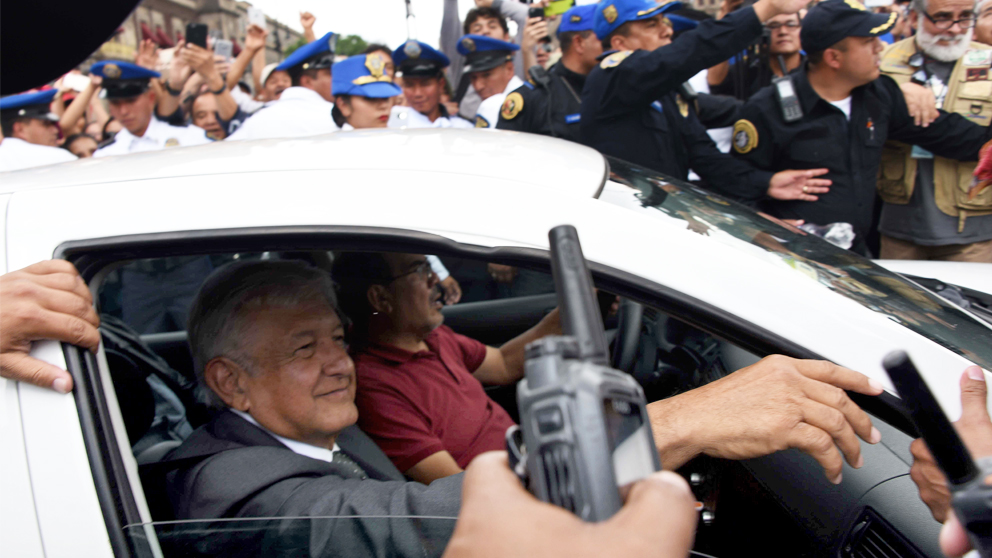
(223, 87)
(170, 90)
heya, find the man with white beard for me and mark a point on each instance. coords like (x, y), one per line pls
(927, 214)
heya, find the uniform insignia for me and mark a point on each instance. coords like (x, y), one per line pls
(481, 122)
(112, 71)
(376, 65)
(856, 5)
(614, 60)
(683, 106)
(576, 18)
(332, 42)
(974, 58)
(512, 106)
(412, 49)
(745, 137)
(610, 13)
(468, 44)
(977, 74)
(172, 142)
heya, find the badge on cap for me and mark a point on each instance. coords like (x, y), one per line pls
(468, 44)
(576, 18)
(614, 60)
(683, 106)
(512, 106)
(745, 137)
(412, 49)
(481, 122)
(610, 13)
(375, 64)
(112, 71)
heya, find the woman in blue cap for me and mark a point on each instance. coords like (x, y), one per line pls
(362, 92)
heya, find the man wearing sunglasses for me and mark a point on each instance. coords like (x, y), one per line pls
(928, 213)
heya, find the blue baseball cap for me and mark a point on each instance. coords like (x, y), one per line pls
(578, 18)
(311, 56)
(29, 105)
(484, 53)
(831, 21)
(363, 75)
(611, 14)
(414, 58)
(121, 79)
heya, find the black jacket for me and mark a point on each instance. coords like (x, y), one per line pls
(562, 94)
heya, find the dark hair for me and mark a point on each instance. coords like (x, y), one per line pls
(376, 47)
(216, 325)
(623, 31)
(336, 114)
(492, 13)
(354, 273)
(69, 140)
(244, 87)
(7, 125)
(565, 39)
(103, 131)
(814, 57)
(296, 75)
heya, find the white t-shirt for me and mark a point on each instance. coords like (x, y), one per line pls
(159, 135)
(299, 112)
(488, 113)
(845, 106)
(406, 117)
(18, 154)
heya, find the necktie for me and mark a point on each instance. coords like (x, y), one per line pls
(349, 465)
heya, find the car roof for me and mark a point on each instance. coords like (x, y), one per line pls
(531, 159)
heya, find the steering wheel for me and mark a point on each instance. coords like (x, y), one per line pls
(624, 350)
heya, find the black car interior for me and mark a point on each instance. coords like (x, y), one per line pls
(772, 506)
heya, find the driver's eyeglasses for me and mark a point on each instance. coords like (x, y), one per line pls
(423, 269)
(945, 22)
(777, 24)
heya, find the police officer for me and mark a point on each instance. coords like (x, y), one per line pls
(422, 68)
(305, 108)
(30, 132)
(551, 105)
(133, 105)
(927, 213)
(847, 113)
(630, 108)
(363, 92)
(489, 65)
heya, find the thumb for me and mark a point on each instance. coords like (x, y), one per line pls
(660, 511)
(974, 394)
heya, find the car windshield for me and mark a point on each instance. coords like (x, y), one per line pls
(839, 270)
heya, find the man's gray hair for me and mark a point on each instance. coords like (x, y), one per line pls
(217, 323)
(921, 6)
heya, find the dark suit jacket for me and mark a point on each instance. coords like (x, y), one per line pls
(229, 468)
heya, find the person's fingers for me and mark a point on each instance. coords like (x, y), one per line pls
(818, 183)
(835, 398)
(658, 515)
(45, 324)
(810, 173)
(23, 368)
(929, 480)
(844, 378)
(820, 445)
(50, 266)
(974, 395)
(61, 302)
(489, 477)
(835, 423)
(953, 538)
(70, 282)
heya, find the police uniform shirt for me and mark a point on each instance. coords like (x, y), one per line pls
(850, 148)
(406, 117)
(749, 73)
(488, 114)
(158, 135)
(299, 112)
(526, 108)
(18, 154)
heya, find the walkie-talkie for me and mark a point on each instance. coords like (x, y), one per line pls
(786, 93)
(584, 429)
(971, 485)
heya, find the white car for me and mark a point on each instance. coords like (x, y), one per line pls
(721, 286)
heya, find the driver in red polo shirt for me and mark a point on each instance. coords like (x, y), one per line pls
(422, 398)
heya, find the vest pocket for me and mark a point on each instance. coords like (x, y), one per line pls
(893, 184)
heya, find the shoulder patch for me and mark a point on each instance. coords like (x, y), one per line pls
(172, 142)
(614, 60)
(529, 85)
(745, 137)
(512, 106)
(481, 122)
(977, 58)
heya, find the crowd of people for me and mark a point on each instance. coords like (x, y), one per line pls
(812, 131)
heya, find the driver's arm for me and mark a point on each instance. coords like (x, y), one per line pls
(433, 467)
(505, 365)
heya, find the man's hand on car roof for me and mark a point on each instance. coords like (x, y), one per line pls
(47, 300)
(774, 404)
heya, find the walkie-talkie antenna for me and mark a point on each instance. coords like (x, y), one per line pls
(411, 22)
(573, 283)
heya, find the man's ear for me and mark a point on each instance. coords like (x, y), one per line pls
(831, 57)
(914, 18)
(226, 379)
(618, 42)
(380, 299)
(17, 129)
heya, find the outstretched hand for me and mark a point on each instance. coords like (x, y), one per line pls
(798, 184)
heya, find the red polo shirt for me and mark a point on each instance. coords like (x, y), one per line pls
(416, 404)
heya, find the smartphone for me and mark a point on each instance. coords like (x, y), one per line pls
(224, 48)
(256, 17)
(196, 33)
(535, 12)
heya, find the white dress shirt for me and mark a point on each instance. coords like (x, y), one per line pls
(299, 112)
(159, 135)
(306, 450)
(18, 154)
(406, 117)
(489, 109)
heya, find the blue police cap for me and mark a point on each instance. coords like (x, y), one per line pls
(363, 75)
(578, 18)
(414, 58)
(831, 21)
(611, 14)
(311, 56)
(123, 79)
(29, 105)
(484, 53)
